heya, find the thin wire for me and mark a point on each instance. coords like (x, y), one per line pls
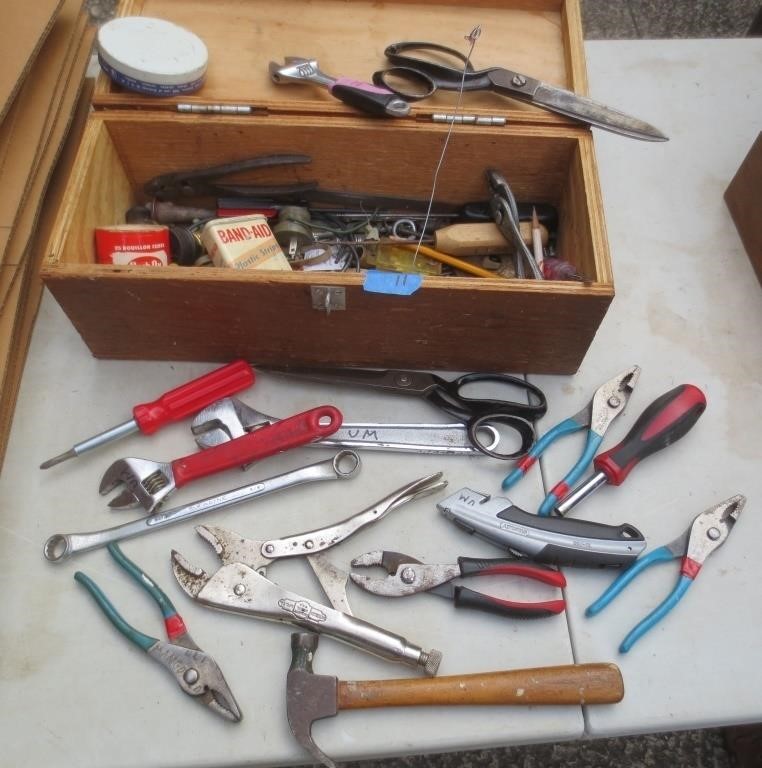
(472, 37)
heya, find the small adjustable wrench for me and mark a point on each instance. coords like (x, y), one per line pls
(369, 98)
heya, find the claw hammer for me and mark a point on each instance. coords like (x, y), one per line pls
(310, 697)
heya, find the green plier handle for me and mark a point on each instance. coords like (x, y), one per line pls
(173, 622)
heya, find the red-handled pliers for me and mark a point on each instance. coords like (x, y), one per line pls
(407, 576)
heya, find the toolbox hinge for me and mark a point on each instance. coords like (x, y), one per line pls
(458, 119)
(221, 109)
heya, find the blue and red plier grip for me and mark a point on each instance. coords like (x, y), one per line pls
(565, 427)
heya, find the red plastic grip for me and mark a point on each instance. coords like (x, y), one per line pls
(665, 421)
(266, 441)
(192, 397)
(547, 576)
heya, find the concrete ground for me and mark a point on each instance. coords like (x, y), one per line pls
(718, 748)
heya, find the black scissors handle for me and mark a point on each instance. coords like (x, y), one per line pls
(426, 76)
(448, 396)
(479, 412)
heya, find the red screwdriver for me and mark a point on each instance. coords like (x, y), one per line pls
(174, 405)
(665, 421)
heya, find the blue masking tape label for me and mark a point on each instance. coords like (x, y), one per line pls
(395, 283)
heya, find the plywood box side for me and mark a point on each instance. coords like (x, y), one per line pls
(273, 322)
(98, 194)
(585, 247)
(372, 156)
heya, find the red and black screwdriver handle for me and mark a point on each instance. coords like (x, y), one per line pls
(468, 598)
(665, 421)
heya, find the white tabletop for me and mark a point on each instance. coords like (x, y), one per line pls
(688, 309)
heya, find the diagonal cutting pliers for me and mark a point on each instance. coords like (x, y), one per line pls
(608, 401)
(708, 531)
(407, 576)
(195, 671)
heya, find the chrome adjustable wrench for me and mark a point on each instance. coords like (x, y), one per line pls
(148, 483)
(373, 99)
(230, 418)
(342, 466)
(233, 548)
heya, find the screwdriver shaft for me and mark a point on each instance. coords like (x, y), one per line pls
(115, 433)
(580, 493)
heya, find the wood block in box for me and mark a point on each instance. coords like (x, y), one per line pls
(454, 323)
(744, 200)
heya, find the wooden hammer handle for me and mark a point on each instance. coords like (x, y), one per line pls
(570, 684)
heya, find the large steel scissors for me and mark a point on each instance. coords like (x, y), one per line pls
(448, 396)
(436, 67)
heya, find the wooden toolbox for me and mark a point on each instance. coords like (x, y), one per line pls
(451, 323)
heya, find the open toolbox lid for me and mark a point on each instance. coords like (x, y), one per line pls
(539, 38)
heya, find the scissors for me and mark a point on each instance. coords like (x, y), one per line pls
(474, 412)
(416, 78)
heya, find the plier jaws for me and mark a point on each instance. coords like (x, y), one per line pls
(407, 575)
(611, 398)
(608, 401)
(199, 676)
(708, 531)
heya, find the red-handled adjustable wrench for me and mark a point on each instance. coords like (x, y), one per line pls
(174, 405)
(148, 483)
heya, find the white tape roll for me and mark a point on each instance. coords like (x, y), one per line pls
(152, 56)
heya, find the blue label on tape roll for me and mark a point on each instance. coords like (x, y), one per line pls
(395, 283)
(152, 89)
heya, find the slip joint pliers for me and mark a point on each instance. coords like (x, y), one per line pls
(608, 401)
(407, 576)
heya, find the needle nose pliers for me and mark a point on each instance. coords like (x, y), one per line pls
(408, 576)
(708, 531)
(195, 671)
(608, 401)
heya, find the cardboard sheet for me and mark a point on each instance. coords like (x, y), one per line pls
(25, 27)
(24, 132)
(20, 286)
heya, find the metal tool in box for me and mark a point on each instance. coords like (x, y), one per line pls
(436, 67)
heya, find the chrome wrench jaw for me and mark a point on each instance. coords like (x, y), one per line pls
(298, 70)
(146, 483)
(225, 420)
